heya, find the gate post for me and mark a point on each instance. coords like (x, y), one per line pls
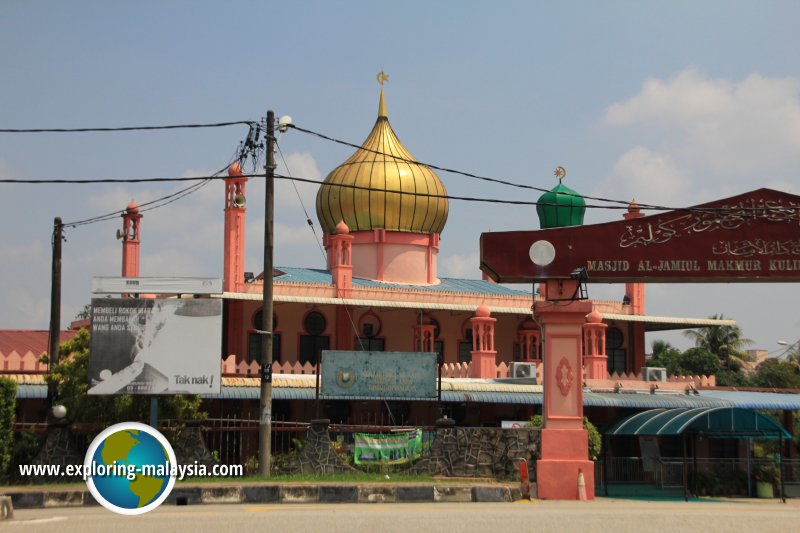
(565, 444)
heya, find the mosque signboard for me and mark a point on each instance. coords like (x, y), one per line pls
(371, 375)
(753, 237)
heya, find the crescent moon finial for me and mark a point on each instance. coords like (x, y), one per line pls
(560, 173)
(382, 77)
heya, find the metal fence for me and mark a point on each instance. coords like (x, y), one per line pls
(234, 440)
(729, 476)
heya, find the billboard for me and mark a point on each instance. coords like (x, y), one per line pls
(753, 237)
(155, 346)
(156, 285)
(370, 375)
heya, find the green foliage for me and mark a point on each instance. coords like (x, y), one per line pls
(777, 374)
(26, 446)
(595, 439)
(693, 362)
(666, 356)
(726, 342)
(707, 482)
(699, 362)
(768, 473)
(8, 406)
(731, 378)
(71, 379)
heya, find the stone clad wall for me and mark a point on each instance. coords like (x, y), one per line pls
(317, 455)
(480, 452)
(454, 452)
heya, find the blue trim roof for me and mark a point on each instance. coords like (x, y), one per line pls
(719, 422)
(471, 286)
(755, 400)
(31, 391)
(707, 398)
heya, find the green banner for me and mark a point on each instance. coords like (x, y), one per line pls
(391, 448)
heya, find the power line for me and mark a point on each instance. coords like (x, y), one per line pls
(163, 201)
(308, 218)
(791, 210)
(467, 174)
(130, 128)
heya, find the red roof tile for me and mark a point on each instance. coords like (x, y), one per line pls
(28, 340)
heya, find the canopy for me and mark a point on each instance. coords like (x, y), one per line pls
(709, 422)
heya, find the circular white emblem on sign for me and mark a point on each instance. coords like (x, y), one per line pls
(542, 253)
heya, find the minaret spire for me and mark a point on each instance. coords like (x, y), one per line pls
(382, 77)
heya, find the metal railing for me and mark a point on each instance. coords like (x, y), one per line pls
(732, 476)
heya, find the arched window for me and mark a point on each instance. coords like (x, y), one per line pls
(256, 339)
(465, 344)
(314, 341)
(617, 355)
(369, 331)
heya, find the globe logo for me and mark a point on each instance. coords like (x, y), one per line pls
(130, 468)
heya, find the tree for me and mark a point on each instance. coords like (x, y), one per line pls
(776, 374)
(71, 378)
(699, 362)
(666, 356)
(726, 342)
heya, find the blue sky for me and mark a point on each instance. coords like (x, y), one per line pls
(669, 102)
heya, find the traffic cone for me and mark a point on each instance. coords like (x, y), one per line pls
(581, 486)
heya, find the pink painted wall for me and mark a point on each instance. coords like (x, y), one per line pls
(396, 328)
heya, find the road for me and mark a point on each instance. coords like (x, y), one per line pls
(602, 515)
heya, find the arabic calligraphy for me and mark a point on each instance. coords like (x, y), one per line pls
(747, 248)
(723, 218)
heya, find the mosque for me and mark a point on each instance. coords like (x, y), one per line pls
(383, 214)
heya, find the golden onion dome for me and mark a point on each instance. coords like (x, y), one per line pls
(372, 177)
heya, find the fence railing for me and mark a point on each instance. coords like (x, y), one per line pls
(734, 476)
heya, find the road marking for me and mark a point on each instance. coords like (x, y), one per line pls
(35, 521)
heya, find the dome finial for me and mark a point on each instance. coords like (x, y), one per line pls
(382, 77)
(560, 173)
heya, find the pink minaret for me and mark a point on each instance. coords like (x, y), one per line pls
(235, 211)
(131, 241)
(340, 260)
(595, 360)
(484, 356)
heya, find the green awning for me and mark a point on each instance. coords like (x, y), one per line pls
(713, 422)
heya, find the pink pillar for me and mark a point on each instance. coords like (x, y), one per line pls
(634, 292)
(484, 356)
(594, 347)
(565, 444)
(340, 261)
(131, 240)
(235, 213)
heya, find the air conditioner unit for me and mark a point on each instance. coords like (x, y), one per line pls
(652, 373)
(523, 370)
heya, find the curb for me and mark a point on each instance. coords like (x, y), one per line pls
(6, 508)
(283, 494)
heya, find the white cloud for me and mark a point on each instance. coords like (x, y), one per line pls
(459, 266)
(645, 174)
(739, 132)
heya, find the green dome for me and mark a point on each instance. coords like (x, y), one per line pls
(560, 207)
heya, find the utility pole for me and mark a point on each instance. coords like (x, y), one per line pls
(55, 306)
(265, 423)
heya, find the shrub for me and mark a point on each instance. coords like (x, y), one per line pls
(8, 406)
(595, 439)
